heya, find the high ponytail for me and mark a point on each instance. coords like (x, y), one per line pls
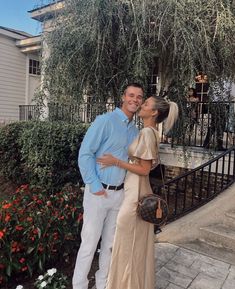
(172, 116)
(168, 112)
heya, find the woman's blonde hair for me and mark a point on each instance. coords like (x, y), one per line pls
(168, 112)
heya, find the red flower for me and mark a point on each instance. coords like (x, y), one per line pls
(55, 235)
(40, 248)
(25, 268)
(7, 218)
(21, 212)
(7, 206)
(80, 217)
(19, 228)
(24, 187)
(15, 247)
(22, 260)
(1, 234)
(16, 202)
(29, 219)
(35, 231)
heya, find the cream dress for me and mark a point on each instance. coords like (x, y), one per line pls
(132, 263)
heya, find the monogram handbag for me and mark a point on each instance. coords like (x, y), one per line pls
(153, 208)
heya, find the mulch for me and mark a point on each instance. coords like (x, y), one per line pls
(6, 188)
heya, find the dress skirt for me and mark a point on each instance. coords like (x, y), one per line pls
(132, 264)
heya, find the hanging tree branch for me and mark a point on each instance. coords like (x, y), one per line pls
(97, 46)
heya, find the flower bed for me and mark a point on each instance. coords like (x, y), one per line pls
(36, 229)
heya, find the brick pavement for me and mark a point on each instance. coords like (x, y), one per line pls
(178, 268)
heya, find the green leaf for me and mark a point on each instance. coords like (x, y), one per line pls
(9, 270)
(30, 250)
(39, 232)
(30, 270)
(40, 264)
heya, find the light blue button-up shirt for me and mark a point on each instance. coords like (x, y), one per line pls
(110, 133)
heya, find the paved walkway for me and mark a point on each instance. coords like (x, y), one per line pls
(178, 268)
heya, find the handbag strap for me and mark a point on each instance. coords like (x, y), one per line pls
(160, 164)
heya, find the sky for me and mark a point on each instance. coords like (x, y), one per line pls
(13, 14)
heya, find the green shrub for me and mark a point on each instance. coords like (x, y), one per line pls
(41, 153)
(36, 228)
(49, 150)
(11, 165)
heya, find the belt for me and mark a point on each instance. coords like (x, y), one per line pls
(115, 188)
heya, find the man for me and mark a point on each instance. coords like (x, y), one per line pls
(218, 112)
(112, 133)
(218, 109)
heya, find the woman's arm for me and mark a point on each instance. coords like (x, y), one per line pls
(142, 168)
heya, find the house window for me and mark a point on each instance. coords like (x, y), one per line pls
(153, 78)
(34, 67)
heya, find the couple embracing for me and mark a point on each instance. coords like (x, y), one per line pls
(115, 160)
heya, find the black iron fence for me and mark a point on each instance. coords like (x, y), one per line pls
(29, 112)
(209, 125)
(83, 112)
(198, 186)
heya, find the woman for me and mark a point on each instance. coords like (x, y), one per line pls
(132, 264)
(192, 106)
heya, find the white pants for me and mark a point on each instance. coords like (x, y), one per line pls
(99, 220)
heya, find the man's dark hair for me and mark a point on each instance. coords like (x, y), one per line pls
(134, 84)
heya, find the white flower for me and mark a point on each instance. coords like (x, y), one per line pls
(19, 287)
(44, 284)
(51, 272)
(40, 277)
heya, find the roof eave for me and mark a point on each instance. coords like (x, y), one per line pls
(47, 12)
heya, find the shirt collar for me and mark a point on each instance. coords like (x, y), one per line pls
(123, 117)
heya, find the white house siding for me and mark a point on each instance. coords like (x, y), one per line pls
(12, 79)
(233, 91)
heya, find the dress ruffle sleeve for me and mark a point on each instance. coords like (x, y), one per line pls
(147, 145)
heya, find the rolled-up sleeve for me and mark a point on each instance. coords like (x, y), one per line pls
(87, 154)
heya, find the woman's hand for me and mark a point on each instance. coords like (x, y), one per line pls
(141, 168)
(107, 160)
